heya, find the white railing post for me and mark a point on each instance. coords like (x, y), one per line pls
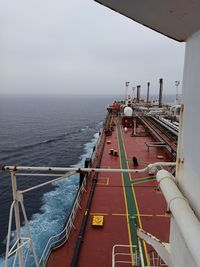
(17, 218)
(113, 256)
(9, 233)
(29, 233)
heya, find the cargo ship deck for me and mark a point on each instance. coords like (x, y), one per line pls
(122, 202)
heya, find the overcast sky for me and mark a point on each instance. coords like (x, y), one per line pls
(80, 47)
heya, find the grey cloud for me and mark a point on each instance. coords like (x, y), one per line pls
(80, 47)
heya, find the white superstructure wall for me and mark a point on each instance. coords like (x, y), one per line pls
(188, 171)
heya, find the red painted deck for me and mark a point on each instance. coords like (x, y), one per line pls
(109, 200)
(150, 201)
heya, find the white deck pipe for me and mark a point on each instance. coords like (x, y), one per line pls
(184, 216)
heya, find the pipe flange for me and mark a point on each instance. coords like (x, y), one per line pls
(166, 177)
(174, 198)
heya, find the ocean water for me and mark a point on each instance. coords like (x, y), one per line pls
(46, 131)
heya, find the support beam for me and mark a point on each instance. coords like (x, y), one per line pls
(160, 247)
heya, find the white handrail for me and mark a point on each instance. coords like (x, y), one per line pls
(27, 168)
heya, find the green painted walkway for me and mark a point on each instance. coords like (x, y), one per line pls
(143, 180)
(131, 204)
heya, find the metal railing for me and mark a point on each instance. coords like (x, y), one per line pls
(22, 247)
(124, 255)
(58, 240)
(127, 255)
(155, 260)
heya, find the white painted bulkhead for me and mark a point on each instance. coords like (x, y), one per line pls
(188, 171)
(189, 177)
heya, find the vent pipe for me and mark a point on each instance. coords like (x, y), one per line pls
(160, 93)
(148, 85)
(138, 93)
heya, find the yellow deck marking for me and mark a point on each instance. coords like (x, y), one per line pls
(104, 182)
(120, 214)
(151, 215)
(135, 180)
(127, 218)
(136, 204)
(127, 214)
(98, 213)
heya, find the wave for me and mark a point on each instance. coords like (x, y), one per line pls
(57, 138)
(18, 151)
(56, 206)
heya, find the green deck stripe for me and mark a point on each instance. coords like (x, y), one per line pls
(143, 180)
(131, 205)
